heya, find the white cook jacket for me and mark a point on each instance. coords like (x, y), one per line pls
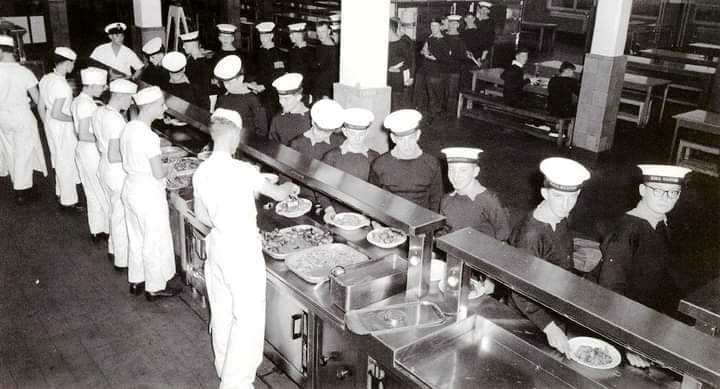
(108, 124)
(20, 148)
(235, 269)
(61, 138)
(88, 159)
(151, 257)
(126, 60)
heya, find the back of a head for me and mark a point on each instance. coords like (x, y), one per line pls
(567, 65)
(222, 129)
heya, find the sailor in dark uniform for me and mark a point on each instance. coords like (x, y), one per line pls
(472, 204)
(326, 67)
(335, 29)
(294, 119)
(323, 136)
(545, 234)
(454, 64)
(515, 79)
(406, 170)
(239, 97)
(301, 57)
(198, 68)
(179, 84)
(353, 156)
(401, 65)
(226, 37)
(432, 76)
(153, 73)
(269, 65)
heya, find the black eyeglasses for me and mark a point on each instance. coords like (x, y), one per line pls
(671, 194)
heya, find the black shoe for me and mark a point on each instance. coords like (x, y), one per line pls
(75, 208)
(120, 270)
(99, 237)
(167, 292)
(111, 258)
(137, 288)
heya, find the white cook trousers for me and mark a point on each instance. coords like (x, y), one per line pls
(151, 258)
(20, 146)
(112, 178)
(98, 205)
(235, 280)
(64, 142)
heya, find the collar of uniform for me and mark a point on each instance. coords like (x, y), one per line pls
(298, 109)
(317, 136)
(473, 191)
(184, 80)
(642, 212)
(345, 148)
(540, 214)
(415, 155)
(518, 64)
(220, 154)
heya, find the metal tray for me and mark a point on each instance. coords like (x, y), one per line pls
(357, 286)
(324, 258)
(282, 256)
(377, 321)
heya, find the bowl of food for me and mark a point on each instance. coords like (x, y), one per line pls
(349, 221)
(594, 353)
(293, 207)
(386, 237)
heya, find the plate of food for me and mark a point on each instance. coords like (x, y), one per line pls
(170, 154)
(386, 237)
(594, 353)
(181, 172)
(314, 264)
(177, 182)
(293, 207)
(349, 221)
(186, 165)
(279, 243)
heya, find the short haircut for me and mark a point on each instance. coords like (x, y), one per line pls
(436, 20)
(567, 65)
(221, 127)
(58, 59)
(322, 23)
(394, 24)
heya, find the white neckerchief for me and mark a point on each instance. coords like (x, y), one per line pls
(414, 154)
(183, 80)
(518, 64)
(345, 148)
(644, 213)
(317, 136)
(540, 214)
(472, 192)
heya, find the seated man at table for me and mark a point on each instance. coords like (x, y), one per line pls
(515, 80)
(563, 90)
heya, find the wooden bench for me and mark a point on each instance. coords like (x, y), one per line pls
(508, 117)
(639, 116)
(684, 158)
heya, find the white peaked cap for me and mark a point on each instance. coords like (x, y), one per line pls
(174, 61)
(327, 114)
(666, 174)
(462, 154)
(403, 122)
(152, 46)
(66, 52)
(334, 17)
(296, 27)
(93, 76)
(564, 174)
(288, 83)
(7, 41)
(226, 28)
(122, 85)
(484, 4)
(228, 114)
(455, 18)
(112, 26)
(228, 68)
(265, 27)
(358, 118)
(190, 36)
(147, 95)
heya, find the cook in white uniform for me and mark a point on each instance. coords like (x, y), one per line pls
(117, 55)
(225, 190)
(54, 107)
(83, 107)
(108, 124)
(151, 258)
(20, 149)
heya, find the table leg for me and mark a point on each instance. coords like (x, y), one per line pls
(674, 138)
(647, 109)
(542, 39)
(552, 40)
(662, 107)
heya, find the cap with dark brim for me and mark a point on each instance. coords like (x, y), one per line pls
(564, 188)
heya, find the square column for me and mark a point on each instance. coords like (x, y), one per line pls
(148, 22)
(57, 16)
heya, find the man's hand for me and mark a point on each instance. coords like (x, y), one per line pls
(636, 360)
(556, 338)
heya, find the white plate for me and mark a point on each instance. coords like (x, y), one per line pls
(372, 238)
(613, 352)
(305, 206)
(362, 221)
(271, 178)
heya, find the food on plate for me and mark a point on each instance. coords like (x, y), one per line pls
(186, 164)
(387, 236)
(293, 207)
(594, 356)
(292, 239)
(349, 220)
(314, 265)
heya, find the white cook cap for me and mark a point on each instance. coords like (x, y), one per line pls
(93, 76)
(228, 114)
(228, 68)
(66, 52)
(122, 85)
(327, 115)
(190, 36)
(147, 95)
(115, 28)
(563, 174)
(265, 27)
(174, 61)
(664, 174)
(403, 122)
(461, 154)
(153, 46)
(288, 83)
(358, 118)
(226, 28)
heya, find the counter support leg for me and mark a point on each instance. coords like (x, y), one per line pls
(458, 272)
(418, 275)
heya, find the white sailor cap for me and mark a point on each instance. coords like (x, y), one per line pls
(454, 18)
(484, 4)
(461, 154)
(265, 27)
(403, 122)
(358, 118)
(147, 95)
(296, 27)
(288, 83)
(190, 36)
(93, 76)
(226, 28)
(664, 174)
(174, 61)
(65, 52)
(153, 46)
(228, 68)
(122, 85)
(228, 114)
(334, 17)
(327, 114)
(563, 174)
(6, 40)
(115, 28)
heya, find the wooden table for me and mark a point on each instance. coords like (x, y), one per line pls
(684, 76)
(677, 56)
(703, 305)
(542, 27)
(710, 51)
(698, 120)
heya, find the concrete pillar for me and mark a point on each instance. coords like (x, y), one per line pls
(57, 15)
(147, 22)
(363, 63)
(603, 76)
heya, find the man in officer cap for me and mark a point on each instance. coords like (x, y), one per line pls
(545, 234)
(198, 68)
(323, 136)
(301, 57)
(116, 55)
(154, 74)
(406, 170)
(179, 84)
(239, 97)
(295, 116)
